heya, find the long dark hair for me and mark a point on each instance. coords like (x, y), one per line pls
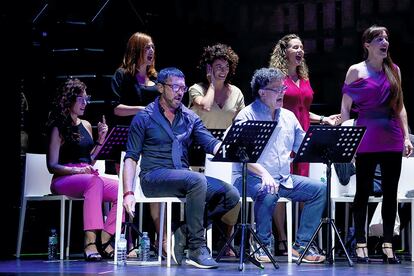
(59, 116)
(396, 101)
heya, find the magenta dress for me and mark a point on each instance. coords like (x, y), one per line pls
(298, 100)
(371, 99)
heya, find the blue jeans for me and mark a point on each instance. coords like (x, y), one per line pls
(305, 189)
(207, 198)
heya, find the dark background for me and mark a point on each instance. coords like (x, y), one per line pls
(47, 41)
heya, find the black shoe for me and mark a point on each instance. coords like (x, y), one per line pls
(104, 253)
(164, 248)
(362, 258)
(385, 258)
(282, 248)
(201, 258)
(179, 242)
(93, 257)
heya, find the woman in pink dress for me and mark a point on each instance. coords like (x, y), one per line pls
(288, 56)
(373, 90)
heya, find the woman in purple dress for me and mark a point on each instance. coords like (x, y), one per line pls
(373, 89)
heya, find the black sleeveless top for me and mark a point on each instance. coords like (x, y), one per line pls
(77, 151)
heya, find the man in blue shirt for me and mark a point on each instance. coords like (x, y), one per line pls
(270, 177)
(161, 135)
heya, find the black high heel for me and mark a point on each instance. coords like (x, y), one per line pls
(385, 258)
(364, 259)
(93, 257)
(279, 251)
(105, 254)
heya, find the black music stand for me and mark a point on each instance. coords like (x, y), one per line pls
(114, 143)
(244, 144)
(329, 144)
(197, 155)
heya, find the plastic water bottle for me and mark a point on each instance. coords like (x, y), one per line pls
(145, 247)
(52, 245)
(122, 250)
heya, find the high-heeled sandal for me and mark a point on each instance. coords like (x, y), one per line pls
(364, 249)
(164, 248)
(105, 254)
(132, 252)
(279, 250)
(385, 258)
(93, 257)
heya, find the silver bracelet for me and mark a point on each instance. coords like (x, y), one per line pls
(321, 120)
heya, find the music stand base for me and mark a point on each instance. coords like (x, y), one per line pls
(243, 254)
(329, 258)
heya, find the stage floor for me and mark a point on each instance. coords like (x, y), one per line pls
(227, 267)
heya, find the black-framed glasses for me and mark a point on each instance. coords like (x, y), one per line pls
(175, 87)
(280, 89)
(85, 100)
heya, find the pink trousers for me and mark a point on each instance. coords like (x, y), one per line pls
(95, 190)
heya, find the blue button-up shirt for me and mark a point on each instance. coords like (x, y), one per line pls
(286, 138)
(165, 145)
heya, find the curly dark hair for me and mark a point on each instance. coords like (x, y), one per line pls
(220, 51)
(59, 116)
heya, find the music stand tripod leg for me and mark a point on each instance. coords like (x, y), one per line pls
(228, 244)
(244, 227)
(342, 243)
(329, 221)
(299, 261)
(244, 250)
(241, 145)
(275, 264)
(326, 145)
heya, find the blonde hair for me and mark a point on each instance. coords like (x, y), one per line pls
(278, 58)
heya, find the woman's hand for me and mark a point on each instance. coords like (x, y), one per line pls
(102, 130)
(210, 74)
(333, 120)
(408, 147)
(88, 169)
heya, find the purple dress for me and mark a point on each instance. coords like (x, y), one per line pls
(371, 99)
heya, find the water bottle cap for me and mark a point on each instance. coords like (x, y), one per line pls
(53, 230)
(122, 235)
(145, 233)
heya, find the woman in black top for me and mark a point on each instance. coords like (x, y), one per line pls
(134, 88)
(70, 158)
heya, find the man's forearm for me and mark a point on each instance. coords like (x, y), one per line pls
(128, 174)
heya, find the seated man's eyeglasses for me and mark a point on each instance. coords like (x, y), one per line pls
(276, 90)
(175, 87)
